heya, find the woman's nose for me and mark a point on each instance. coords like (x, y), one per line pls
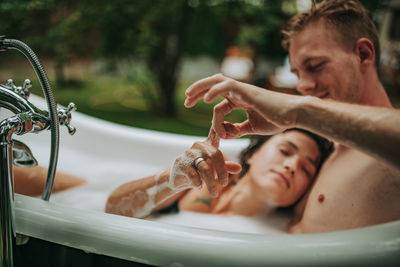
(292, 164)
(306, 86)
(289, 169)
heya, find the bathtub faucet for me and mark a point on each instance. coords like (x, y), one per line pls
(27, 118)
(15, 99)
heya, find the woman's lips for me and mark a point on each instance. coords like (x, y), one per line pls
(283, 177)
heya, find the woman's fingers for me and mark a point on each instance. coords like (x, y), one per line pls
(214, 157)
(203, 163)
(206, 172)
(183, 174)
(233, 167)
(194, 176)
(217, 157)
(213, 138)
(220, 168)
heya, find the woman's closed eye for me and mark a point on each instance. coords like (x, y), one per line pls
(286, 151)
(307, 172)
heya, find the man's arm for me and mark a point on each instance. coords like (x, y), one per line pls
(373, 130)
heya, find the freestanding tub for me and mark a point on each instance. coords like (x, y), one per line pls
(107, 155)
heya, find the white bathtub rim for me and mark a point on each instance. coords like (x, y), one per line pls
(170, 245)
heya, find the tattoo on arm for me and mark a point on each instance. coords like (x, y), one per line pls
(205, 201)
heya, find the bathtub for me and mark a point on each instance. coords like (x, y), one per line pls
(107, 155)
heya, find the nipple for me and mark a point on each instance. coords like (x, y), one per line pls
(321, 198)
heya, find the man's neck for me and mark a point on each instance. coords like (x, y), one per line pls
(374, 92)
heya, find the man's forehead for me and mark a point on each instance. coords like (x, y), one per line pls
(312, 42)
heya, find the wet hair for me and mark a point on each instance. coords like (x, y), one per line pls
(349, 18)
(325, 148)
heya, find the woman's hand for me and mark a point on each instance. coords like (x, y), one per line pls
(186, 174)
(267, 112)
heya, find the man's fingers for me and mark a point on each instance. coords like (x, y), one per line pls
(190, 101)
(198, 89)
(223, 88)
(219, 112)
(203, 84)
(232, 130)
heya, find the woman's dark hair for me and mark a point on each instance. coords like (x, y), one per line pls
(325, 148)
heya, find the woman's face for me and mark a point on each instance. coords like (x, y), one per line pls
(284, 167)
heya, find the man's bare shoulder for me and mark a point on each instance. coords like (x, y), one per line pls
(352, 190)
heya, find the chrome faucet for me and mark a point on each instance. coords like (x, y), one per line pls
(22, 155)
(27, 118)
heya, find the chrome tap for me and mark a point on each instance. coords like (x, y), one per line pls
(27, 118)
(22, 155)
(15, 99)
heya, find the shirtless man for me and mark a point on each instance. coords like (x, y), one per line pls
(334, 51)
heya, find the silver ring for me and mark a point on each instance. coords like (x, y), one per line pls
(197, 161)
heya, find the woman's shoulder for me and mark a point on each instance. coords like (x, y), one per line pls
(201, 200)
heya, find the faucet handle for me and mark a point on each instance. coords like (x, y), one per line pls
(64, 116)
(23, 90)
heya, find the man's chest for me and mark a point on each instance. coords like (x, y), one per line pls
(351, 190)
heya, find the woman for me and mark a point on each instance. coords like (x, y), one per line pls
(276, 172)
(31, 181)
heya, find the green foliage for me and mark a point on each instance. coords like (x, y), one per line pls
(156, 33)
(138, 75)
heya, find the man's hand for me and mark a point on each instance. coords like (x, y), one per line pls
(255, 123)
(267, 111)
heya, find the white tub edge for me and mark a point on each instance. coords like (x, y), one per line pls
(168, 245)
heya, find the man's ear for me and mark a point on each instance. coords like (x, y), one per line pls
(365, 51)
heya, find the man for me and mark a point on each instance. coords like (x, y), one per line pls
(334, 51)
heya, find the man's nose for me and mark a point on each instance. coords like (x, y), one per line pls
(306, 86)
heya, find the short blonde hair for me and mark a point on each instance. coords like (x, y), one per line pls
(349, 18)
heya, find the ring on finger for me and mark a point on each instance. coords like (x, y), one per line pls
(197, 161)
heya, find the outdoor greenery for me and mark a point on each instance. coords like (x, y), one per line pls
(123, 104)
(141, 44)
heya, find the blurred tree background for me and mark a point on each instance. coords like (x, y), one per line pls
(123, 60)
